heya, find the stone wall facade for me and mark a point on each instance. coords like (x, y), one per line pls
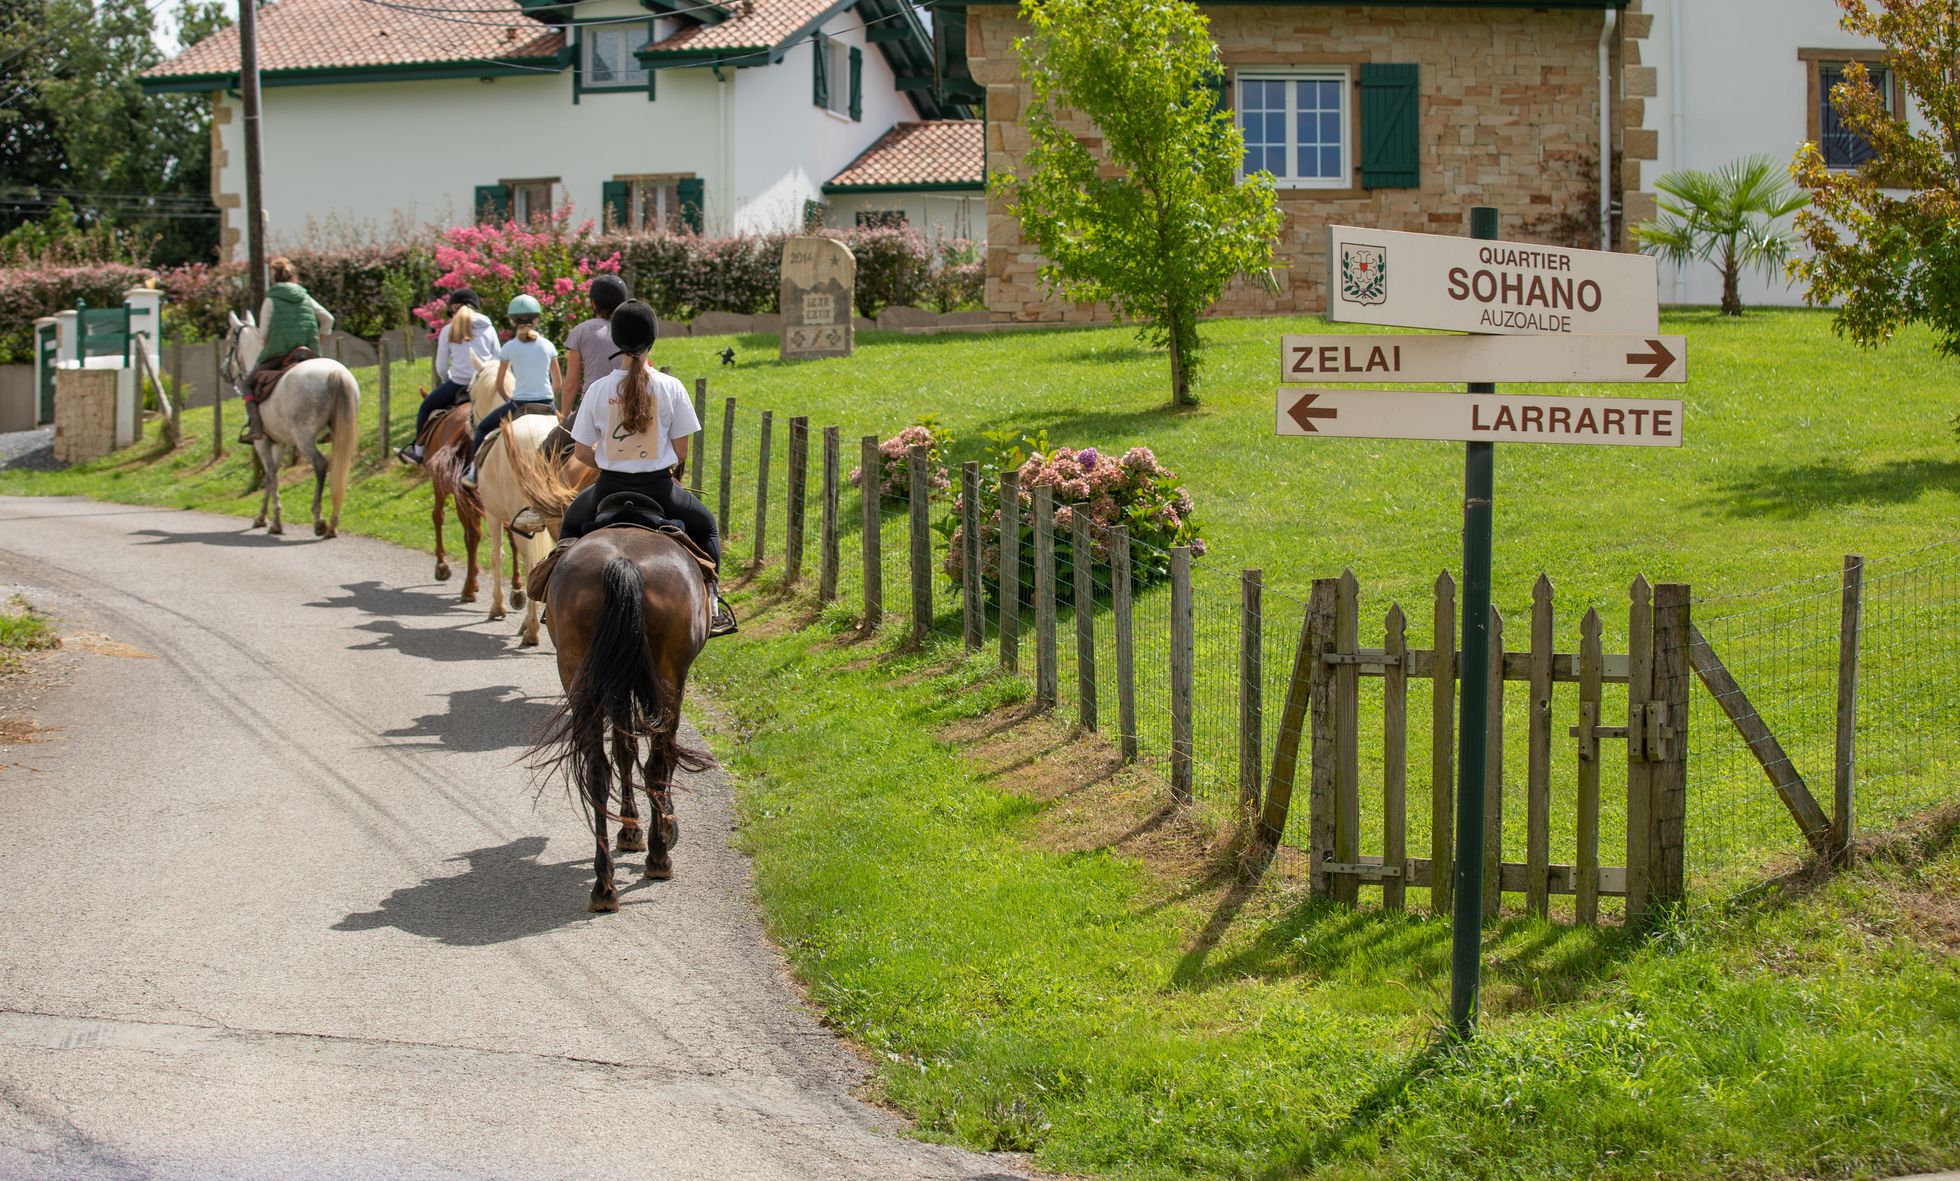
(1510, 117)
(1641, 82)
(84, 414)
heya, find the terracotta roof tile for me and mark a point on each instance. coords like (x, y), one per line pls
(759, 24)
(322, 34)
(935, 152)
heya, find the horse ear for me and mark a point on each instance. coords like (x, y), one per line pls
(233, 317)
(476, 363)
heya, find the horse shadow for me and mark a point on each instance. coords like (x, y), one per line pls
(442, 644)
(384, 601)
(506, 893)
(495, 717)
(250, 537)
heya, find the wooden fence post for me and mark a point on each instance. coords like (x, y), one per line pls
(1010, 571)
(1126, 651)
(1442, 751)
(724, 476)
(1494, 774)
(1183, 668)
(1044, 598)
(1538, 765)
(1292, 720)
(921, 544)
(1082, 556)
(762, 490)
(870, 499)
(1591, 668)
(1640, 687)
(386, 382)
(1851, 622)
(217, 400)
(827, 560)
(1322, 607)
(1347, 736)
(1395, 760)
(177, 395)
(1672, 677)
(799, 479)
(1251, 690)
(973, 603)
(699, 452)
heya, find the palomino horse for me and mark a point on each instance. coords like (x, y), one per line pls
(444, 459)
(310, 397)
(501, 498)
(629, 613)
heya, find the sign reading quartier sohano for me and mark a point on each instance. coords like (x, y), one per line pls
(1466, 285)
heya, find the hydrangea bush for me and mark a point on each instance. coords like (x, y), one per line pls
(552, 260)
(894, 475)
(1132, 489)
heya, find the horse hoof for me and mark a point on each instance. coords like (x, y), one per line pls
(332, 532)
(659, 869)
(258, 522)
(468, 596)
(603, 904)
(631, 840)
(496, 615)
(319, 528)
(516, 598)
(524, 641)
(442, 572)
(276, 529)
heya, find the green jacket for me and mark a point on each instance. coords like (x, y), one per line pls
(293, 323)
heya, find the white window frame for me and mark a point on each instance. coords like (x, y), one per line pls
(1344, 179)
(837, 74)
(664, 189)
(633, 75)
(521, 194)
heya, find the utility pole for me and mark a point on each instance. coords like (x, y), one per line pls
(248, 86)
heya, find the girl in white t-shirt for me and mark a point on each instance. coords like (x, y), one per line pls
(633, 424)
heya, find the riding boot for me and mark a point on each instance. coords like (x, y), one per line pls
(254, 425)
(721, 617)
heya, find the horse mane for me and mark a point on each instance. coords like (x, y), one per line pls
(544, 478)
(485, 394)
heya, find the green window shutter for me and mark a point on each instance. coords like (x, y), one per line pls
(857, 84)
(820, 92)
(492, 204)
(612, 198)
(1391, 143)
(693, 192)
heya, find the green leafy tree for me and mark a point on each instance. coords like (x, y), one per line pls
(1732, 217)
(1161, 222)
(1889, 259)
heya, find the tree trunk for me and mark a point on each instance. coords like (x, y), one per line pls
(1731, 284)
(1180, 381)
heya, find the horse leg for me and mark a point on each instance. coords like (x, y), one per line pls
(435, 515)
(517, 579)
(605, 897)
(663, 831)
(311, 450)
(272, 489)
(261, 451)
(632, 837)
(496, 570)
(472, 535)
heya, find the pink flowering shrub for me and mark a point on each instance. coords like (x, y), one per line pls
(894, 469)
(1130, 489)
(551, 260)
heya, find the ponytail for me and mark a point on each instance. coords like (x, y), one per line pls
(636, 407)
(527, 327)
(462, 324)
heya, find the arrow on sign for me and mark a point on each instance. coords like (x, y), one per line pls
(1303, 412)
(1660, 358)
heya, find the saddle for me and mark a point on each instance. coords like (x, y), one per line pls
(523, 408)
(265, 377)
(622, 510)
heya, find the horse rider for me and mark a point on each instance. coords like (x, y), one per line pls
(633, 425)
(533, 362)
(291, 324)
(589, 345)
(468, 333)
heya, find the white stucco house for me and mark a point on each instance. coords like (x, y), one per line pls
(1710, 83)
(723, 115)
(930, 175)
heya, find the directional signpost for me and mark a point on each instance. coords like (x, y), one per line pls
(1547, 314)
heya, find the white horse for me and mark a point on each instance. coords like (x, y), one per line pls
(502, 496)
(310, 397)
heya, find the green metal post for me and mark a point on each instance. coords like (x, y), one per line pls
(1466, 943)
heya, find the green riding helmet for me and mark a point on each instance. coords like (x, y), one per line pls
(524, 305)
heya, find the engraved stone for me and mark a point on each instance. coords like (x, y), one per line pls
(819, 289)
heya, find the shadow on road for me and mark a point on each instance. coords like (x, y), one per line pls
(380, 599)
(437, 643)
(496, 717)
(254, 538)
(505, 894)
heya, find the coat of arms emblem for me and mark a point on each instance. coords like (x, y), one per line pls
(1364, 274)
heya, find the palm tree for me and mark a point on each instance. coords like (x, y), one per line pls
(1729, 217)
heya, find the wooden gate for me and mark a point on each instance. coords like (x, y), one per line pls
(1329, 668)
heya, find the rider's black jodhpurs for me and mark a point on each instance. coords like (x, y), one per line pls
(443, 397)
(674, 500)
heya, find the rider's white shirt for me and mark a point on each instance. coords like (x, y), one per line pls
(453, 360)
(597, 423)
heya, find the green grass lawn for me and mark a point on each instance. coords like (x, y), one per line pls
(1025, 979)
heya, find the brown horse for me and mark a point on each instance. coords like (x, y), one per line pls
(445, 457)
(629, 612)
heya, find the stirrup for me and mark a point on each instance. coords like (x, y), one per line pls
(527, 522)
(721, 617)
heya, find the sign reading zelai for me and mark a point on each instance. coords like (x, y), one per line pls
(1467, 285)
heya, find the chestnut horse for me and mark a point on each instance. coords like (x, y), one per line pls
(629, 613)
(444, 458)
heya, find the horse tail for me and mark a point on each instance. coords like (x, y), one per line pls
(445, 466)
(345, 422)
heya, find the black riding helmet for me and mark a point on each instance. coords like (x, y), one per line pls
(463, 297)
(634, 327)
(608, 292)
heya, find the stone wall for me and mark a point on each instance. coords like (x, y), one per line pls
(84, 414)
(1638, 172)
(1510, 117)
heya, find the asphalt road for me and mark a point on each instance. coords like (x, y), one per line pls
(276, 901)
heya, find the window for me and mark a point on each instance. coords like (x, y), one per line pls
(608, 62)
(836, 80)
(530, 199)
(1296, 127)
(881, 219)
(1824, 69)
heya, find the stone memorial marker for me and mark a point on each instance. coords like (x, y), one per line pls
(819, 293)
